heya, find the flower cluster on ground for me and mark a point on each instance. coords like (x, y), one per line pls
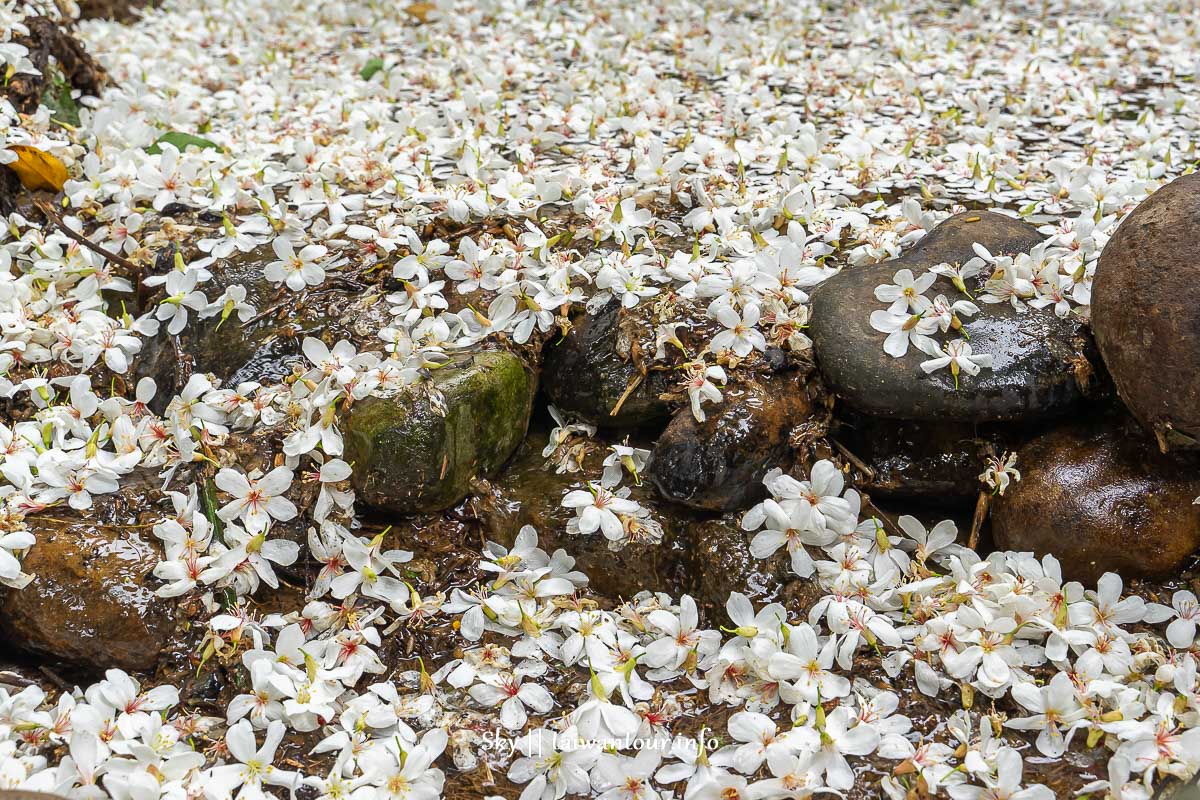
(706, 161)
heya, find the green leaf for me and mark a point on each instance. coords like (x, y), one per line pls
(372, 66)
(226, 598)
(57, 97)
(210, 504)
(181, 141)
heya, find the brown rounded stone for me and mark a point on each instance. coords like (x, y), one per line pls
(1100, 498)
(1146, 313)
(92, 599)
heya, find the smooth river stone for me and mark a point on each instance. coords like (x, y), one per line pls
(719, 464)
(92, 600)
(1099, 497)
(1041, 363)
(1146, 313)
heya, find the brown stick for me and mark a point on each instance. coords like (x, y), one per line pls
(54, 217)
(981, 511)
(183, 364)
(13, 679)
(55, 679)
(633, 384)
(869, 503)
(854, 460)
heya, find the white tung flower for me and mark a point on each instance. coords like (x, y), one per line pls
(958, 357)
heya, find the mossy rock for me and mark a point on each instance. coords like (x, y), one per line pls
(409, 459)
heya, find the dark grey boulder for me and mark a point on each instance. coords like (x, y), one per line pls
(930, 461)
(1041, 363)
(589, 370)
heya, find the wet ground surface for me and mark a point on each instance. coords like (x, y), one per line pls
(703, 554)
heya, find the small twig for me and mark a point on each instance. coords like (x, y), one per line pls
(981, 511)
(43, 518)
(13, 679)
(342, 282)
(854, 460)
(266, 312)
(633, 385)
(49, 211)
(869, 503)
(54, 678)
(183, 364)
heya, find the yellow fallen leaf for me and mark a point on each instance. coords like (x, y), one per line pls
(37, 169)
(421, 10)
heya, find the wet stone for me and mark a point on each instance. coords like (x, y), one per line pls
(1041, 364)
(264, 350)
(718, 561)
(92, 600)
(699, 554)
(588, 372)
(927, 461)
(528, 492)
(267, 348)
(718, 464)
(953, 238)
(1146, 313)
(267, 351)
(408, 458)
(1100, 497)
(1172, 788)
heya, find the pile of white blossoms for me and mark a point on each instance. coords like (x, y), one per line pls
(733, 155)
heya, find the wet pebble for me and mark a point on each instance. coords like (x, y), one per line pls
(268, 346)
(718, 464)
(589, 371)
(718, 561)
(926, 461)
